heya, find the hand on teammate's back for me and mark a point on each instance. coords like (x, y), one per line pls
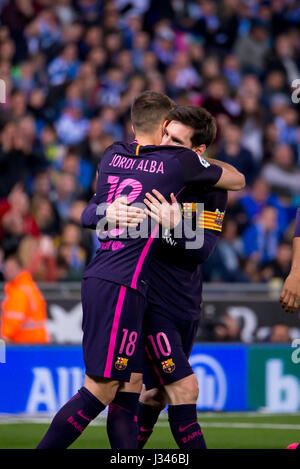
(166, 214)
(120, 214)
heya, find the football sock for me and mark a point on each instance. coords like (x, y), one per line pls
(122, 426)
(294, 446)
(185, 427)
(71, 420)
(147, 418)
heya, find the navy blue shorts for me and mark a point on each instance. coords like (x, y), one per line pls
(168, 344)
(112, 328)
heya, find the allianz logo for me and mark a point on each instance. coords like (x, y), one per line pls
(212, 382)
(51, 389)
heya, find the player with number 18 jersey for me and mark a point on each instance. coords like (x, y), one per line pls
(115, 282)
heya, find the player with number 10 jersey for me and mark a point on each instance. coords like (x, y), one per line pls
(115, 282)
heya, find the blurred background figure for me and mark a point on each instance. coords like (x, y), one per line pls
(280, 334)
(226, 330)
(261, 238)
(23, 311)
(234, 153)
(280, 267)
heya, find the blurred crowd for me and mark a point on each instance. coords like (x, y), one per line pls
(229, 329)
(72, 69)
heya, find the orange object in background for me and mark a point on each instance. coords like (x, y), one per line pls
(23, 318)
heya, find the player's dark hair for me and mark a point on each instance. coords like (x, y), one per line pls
(149, 110)
(199, 119)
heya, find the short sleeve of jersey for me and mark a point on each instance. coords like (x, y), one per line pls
(212, 216)
(196, 169)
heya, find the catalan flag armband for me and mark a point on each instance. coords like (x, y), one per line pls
(211, 220)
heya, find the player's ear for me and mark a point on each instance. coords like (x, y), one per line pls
(132, 128)
(164, 126)
(200, 149)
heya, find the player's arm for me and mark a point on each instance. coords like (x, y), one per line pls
(231, 178)
(89, 217)
(196, 169)
(201, 251)
(118, 214)
(211, 221)
(290, 294)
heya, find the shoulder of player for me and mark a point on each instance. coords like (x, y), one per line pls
(198, 195)
(107, 152)
(190, 158)
(116, 146)
(122, 148)
(170, 149)
(180, 151)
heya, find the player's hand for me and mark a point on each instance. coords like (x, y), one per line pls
(290, 294)
(166, 214)
(120, 213)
